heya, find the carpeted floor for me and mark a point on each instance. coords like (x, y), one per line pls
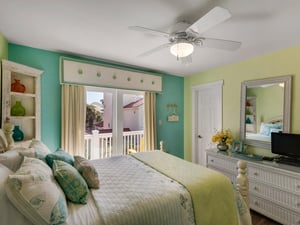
(258, 219)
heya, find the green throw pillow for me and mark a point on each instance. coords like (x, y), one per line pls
(72, 183)
(59, 155)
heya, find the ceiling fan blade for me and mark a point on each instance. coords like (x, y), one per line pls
(149, 31)
(212, 18)
(147, 53)
(220, 44)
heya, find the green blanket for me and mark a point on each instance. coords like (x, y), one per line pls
(212, 193)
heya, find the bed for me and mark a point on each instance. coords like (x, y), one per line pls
(266, 128)
(143, 188)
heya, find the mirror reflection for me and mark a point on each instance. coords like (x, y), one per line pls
(264, 111)
(265, 108)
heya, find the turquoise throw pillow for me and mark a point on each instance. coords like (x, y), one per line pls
(72, 183)
(59, 155)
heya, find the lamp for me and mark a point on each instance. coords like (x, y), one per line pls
(182, 49)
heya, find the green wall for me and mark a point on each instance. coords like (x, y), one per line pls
(3, 47)
(279, 63)
(48, 61)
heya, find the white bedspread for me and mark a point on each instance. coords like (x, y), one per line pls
(134, 194)
(84, 214)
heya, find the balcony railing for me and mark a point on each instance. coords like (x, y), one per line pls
(99, 145)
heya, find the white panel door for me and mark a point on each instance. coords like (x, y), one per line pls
(207, 117)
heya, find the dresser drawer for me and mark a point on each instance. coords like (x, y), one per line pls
(285, 199)
(274, 211)
(223, 164)
(272, 177)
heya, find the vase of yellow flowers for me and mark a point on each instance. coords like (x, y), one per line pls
(223, 138)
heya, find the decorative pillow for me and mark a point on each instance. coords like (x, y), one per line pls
(59, 155)
(34, 153)
(34, 192)
(275, 130)
(39, 145)
(9, 213)
(11, 159)
(3, 142)
(87, 170)
(265, 128)
(72, 183)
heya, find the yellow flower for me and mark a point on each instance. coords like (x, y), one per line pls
(222, 136)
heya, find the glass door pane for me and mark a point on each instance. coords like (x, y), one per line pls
(133, 122)
(99, 123)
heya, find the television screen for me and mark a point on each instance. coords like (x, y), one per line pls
(285, 144)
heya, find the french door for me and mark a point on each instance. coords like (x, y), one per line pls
(118, 123)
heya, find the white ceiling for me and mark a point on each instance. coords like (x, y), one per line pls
(99, 29)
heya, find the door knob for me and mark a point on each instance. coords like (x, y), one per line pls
(199, 136)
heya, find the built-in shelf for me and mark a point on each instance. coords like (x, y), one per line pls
(30, 98)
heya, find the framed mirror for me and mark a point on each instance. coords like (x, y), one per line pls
(265, 108)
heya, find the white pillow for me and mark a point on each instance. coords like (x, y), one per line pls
(39, 145)
(3, 142)
(35, 193)
(11, 159)
(34, 153)
(9, 214)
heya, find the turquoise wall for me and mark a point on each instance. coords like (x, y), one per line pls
(48, 61)
(50, 88)
(170, 132)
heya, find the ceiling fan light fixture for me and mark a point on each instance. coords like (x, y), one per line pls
(182, 49)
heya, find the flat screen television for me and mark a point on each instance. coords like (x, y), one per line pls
(286, 144)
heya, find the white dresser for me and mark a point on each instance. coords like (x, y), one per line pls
(274, 188)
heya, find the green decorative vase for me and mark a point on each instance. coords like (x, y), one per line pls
(17, 109)
(18, 135)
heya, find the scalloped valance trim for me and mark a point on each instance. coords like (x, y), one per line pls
(81, 72)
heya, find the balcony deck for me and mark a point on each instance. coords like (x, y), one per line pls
(99, 145)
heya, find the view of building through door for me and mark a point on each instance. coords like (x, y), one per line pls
(114, 122)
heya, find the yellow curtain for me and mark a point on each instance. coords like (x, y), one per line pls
(150, 121)
(73, 119)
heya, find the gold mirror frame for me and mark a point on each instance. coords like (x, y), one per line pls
(287, 80)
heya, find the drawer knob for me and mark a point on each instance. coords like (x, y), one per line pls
(256, 203)
(212, 160)
(255, 173)
(256, 188)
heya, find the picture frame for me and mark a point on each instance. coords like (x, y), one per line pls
(237, 146)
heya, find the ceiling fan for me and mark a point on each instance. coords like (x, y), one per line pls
(185, 37)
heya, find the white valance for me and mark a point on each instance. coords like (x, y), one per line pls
(80, 72)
